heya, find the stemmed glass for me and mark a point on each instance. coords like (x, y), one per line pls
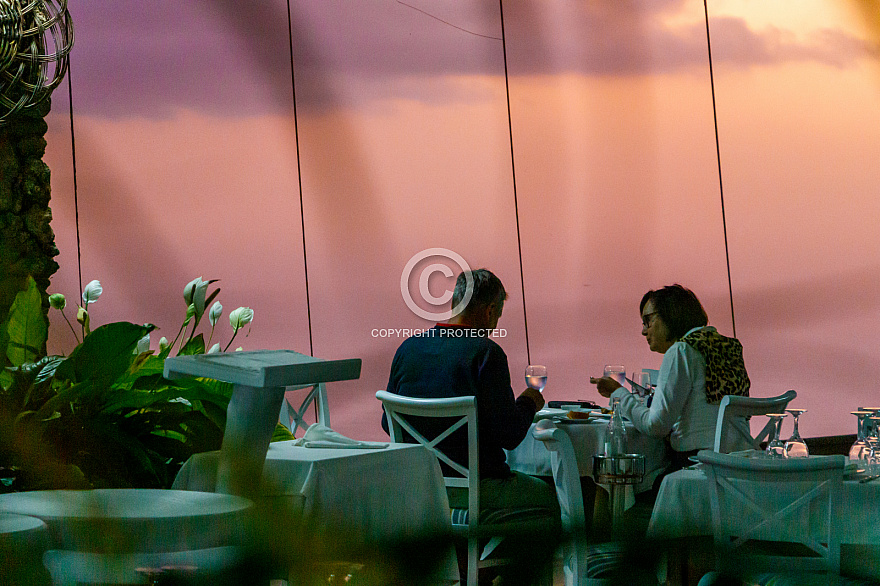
(860, 447)
(796, 447)
(536, 377)
(776, 447)
(872, 455)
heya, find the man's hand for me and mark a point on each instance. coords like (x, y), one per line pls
(536, 397)
(605, 385)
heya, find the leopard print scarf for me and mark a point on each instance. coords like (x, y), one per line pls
(725, 369)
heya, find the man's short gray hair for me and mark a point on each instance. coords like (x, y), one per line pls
(488, 290)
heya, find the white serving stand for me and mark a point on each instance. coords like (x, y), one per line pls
(259, 379)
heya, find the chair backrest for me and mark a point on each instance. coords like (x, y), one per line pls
(732, 431)
(567, 480)
(781, 500)
(294, 419)
(460, 411)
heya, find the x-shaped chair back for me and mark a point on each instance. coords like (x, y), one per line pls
(782, 500)
(733, 422)
(294, 419)
(460, 412)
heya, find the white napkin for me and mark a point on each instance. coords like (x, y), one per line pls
(321, 436)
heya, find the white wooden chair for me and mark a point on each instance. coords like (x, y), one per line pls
(294, 419)
(584, 564)
(773, 500)
(732, 431)
(459, 412)
(567, 480)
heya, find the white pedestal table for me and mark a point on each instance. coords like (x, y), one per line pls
(259, 379)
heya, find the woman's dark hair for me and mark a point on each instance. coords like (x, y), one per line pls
(679, 309)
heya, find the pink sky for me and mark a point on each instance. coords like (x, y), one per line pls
(186, 166)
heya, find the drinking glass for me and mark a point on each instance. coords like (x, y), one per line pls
(643, 380)
(860, 447)
(872, 459)
(536, 377)
(776, 447)
(615, 371)
(795, 447)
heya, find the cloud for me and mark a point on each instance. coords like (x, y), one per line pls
(149, 59)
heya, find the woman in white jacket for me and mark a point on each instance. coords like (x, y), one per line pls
(699, 367)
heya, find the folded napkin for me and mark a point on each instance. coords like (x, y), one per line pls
(321, 436)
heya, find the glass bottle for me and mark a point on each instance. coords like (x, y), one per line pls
(615, 433)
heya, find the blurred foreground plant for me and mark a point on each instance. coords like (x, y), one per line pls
(103, 416)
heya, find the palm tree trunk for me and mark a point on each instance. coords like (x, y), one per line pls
(27, 243)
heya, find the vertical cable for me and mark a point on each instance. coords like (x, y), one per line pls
(75, 195)
(718, 156)
(299, 178)
(513, 172)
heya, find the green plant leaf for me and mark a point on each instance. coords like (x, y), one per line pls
(105, 354)
(27, 327)
(281, 434)
(194, 346)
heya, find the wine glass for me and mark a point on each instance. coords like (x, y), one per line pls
(536, 377)
(642, 380)
(860, 447)
(776, 447)
(615, 371)
(795, 447)
(872, 452)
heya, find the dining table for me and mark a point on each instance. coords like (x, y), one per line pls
(682, 510)
(588, 439)
(346, 498)
(133, 519)
(23, 540)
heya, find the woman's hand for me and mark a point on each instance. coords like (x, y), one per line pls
(605, 385)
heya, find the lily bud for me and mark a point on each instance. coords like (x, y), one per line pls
(92, 291)
(214, 349)
(194, 294)
(57, 301)
(143, 344)
(163, 344)
(82, 316)
(240, 317)
(215, 313)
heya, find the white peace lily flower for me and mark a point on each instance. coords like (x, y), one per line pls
(180, 400)
(57, 301)
(194, 294)
(239, 349)
(143, 344)
(92, 291)
(214, 349)
(240, 317)
(163, 344)
(215, 313)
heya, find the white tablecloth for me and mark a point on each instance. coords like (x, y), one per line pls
(588, 439)
(133, 520)
(682, 509)
(370, 496)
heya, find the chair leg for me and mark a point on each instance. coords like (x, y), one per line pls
(473, 561)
